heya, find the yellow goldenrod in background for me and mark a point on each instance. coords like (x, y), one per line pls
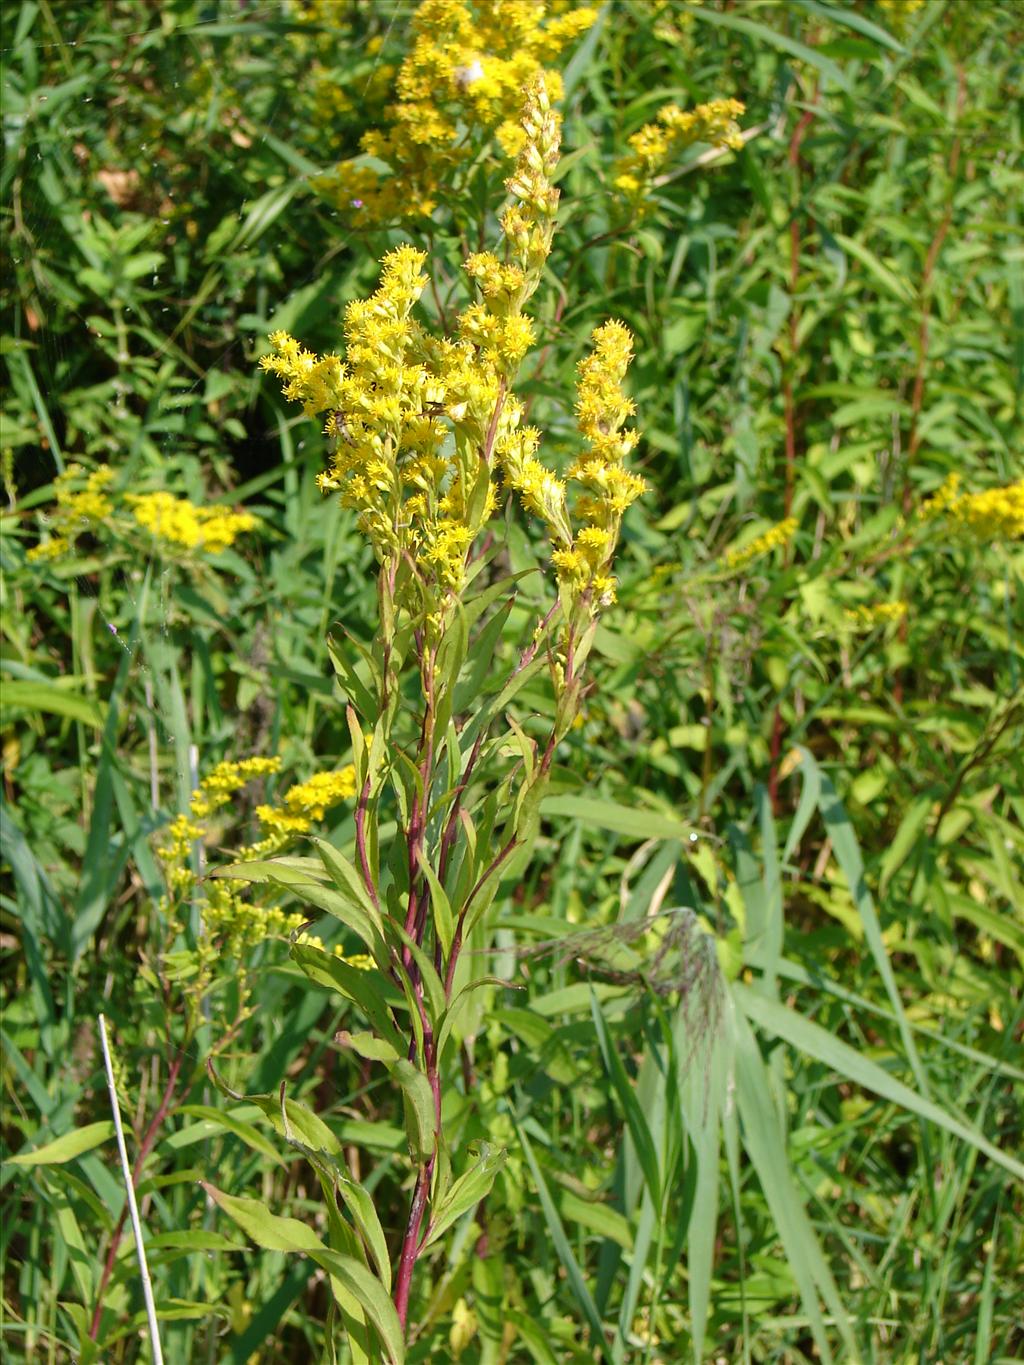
(86, 502)
(180, 522)
(460, 84)
(880, 613)
(230, 922)
(741, 556)
(82, 504)
(658, 144)
(995, 514)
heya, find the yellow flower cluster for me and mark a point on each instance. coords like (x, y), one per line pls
(419, 423)
(333, 88)
(82, 503)
(995, 514)
(308, 801)
(583, 559)
(226, 914)
(181, 522)
(899, 12)
(460, 84)
(217, 788)
(880, 613)
(741, 556)
(673, 130)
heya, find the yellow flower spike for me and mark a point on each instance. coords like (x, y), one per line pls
(178, 522)
(994, 514)
(459, 84)
(881, 613)
(82, 504)
(657, 144)
(780, 534)
(312, 798)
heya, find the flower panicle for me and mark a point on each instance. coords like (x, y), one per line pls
(459, 85)
(657, 144)
(86, 502)
(778, 535)
(993, 514)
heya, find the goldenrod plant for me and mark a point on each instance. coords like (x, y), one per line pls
(455, 103)
(744, 1079)
(158, 522)
(430, 447)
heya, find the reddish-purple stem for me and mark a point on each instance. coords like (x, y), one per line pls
(410, 1244)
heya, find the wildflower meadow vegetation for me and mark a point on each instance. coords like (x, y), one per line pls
(512, 681)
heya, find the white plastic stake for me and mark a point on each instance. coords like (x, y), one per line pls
(133, 1208)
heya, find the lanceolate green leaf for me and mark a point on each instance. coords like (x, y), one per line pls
(275, 1233)
(851, 1064)
(771, 38)
(367, 989)
(637, 824)
(419, 1109)
(465, 1193)
(637, 1124)
(556, 1231)
(848, 855)
(66, 1148)
(350, 909)
(762, 1138)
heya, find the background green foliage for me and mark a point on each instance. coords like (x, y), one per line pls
(815, 1056)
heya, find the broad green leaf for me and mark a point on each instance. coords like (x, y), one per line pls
(443, 920)
(637, 824)
(275, 1233)
(67, 1147)
(266, 1229)
(364, 988)
(251, 1136)
(903, 841)
(364, 1215)
(817, 1042)
(37, 696)
(886, 279)
(346, 878)
(368, 1045)
(419, 1109)
(465, 1193)
(368, 1290)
